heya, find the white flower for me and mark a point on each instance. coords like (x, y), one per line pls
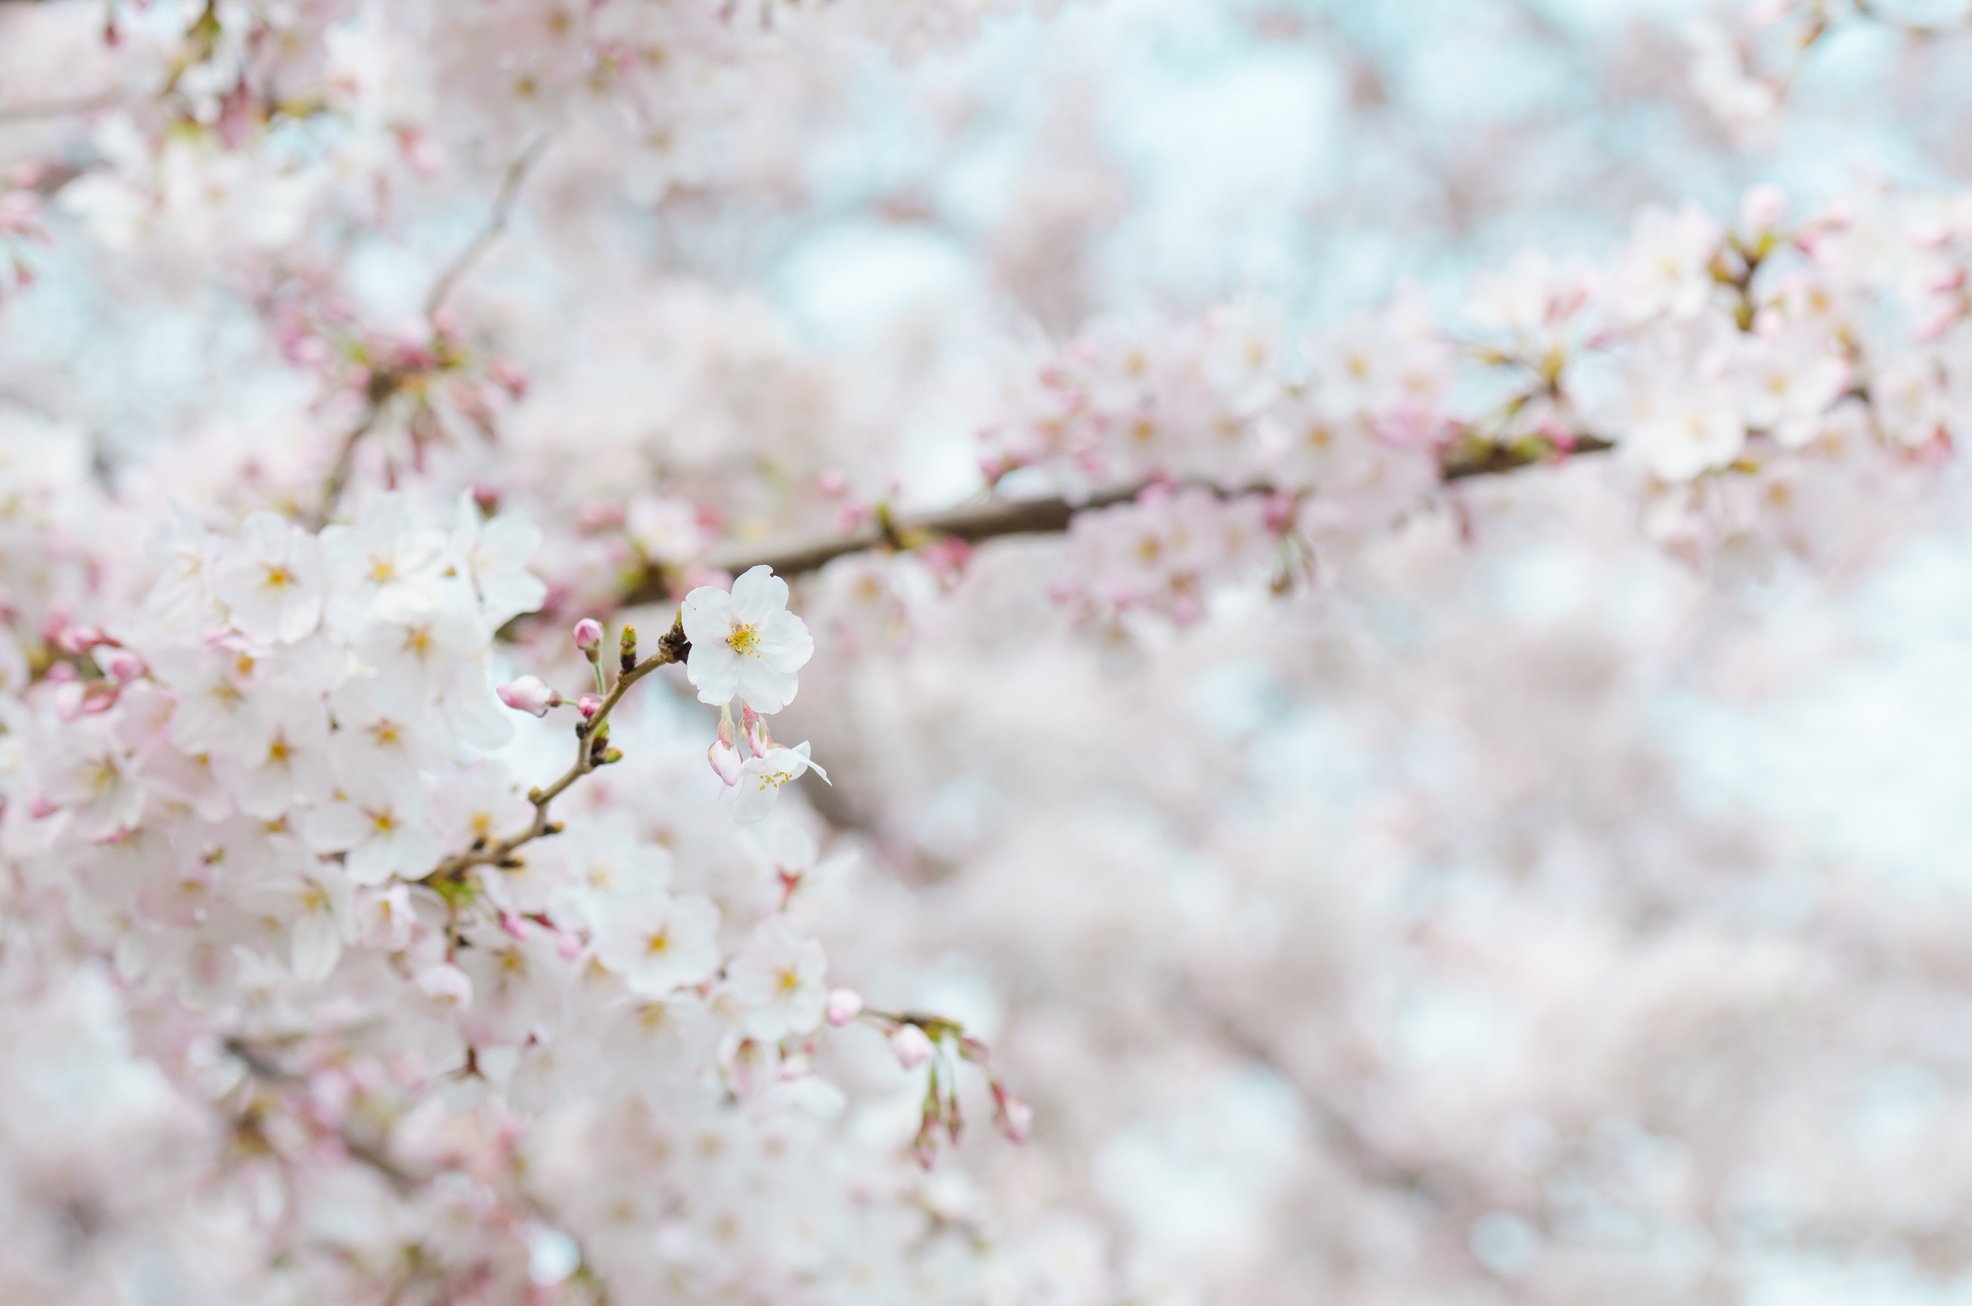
(762, 779)
(529, 694)
(380, 556)
(1667, 266)
(745, 644)
(271, 580)
(1789, 384)
(316, 908)
(287, 759)
(1683, 435)
(431, 644)
(92, 777)
(1680, 408)
(380, 828)
(778, 978)
(658, 943)
(658, 1047)
(493, 554)
(383, 730)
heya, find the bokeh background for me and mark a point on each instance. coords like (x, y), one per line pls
(1534, 913)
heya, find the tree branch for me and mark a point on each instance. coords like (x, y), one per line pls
(591, 736)
(496, 222)
(998, 519)
(48, 110)
(371, 1154)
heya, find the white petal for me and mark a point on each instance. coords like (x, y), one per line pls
(316, 945)
(335, 828)
(758, 595)
(714, 669)
(707, 616)
(765, 689)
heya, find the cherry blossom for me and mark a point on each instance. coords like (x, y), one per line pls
(1286, 663)
(745, 644)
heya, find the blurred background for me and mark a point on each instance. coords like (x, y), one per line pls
(1529, 914)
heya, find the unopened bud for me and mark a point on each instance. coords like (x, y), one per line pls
(1762, 209)
(726, 762)
(445, 984)
(588, 634)
(529, 694)
(119, 664)
(1016, 1119)
(844, 1006)
(77, 640)
(588, 705)
(912, 1046)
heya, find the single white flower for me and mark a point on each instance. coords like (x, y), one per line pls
(745, 644)
(380, 828)
(658, 943)
(492, 553)
(271, 580)
(382, 555)
(762, 779)
(778, 979)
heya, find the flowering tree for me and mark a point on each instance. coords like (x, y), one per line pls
(435, 574)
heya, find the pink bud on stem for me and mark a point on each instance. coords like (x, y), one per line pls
(529, 694)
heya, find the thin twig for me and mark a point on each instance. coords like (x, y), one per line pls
(371, 1154)
(496, 223)
(999, 519)
(48, 110)
(1868, 12)
(342, 468)
(590, 736)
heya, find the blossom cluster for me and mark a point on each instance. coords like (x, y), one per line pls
(1730, 368)
(284, 792)
(376, 924)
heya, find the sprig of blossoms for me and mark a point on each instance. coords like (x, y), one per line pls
(1711, 359)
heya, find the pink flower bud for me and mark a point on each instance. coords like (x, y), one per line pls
(588, 705)
(1945, 279)
(844, 1005)
(912, 1046)
(1016, 1119)
(588, 634)
(528, 694)
(119, 664)
(1762, 209)
(726, 762)
(445, 984)
(510, 378)
(77, 640)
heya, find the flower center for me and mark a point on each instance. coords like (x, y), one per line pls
(744, 639)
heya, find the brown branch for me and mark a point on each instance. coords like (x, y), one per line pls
(386, 383)
(496, 223)
(1868, 12)
(591, 736)
(49, 110)
(1001, 518)
(371, 1154)
(344, 465)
